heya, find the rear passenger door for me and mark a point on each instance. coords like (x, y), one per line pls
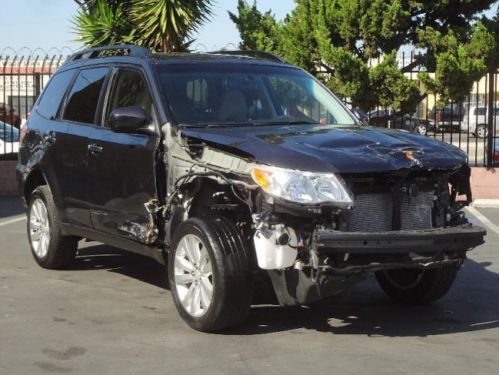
(80, 113)
(122, 166)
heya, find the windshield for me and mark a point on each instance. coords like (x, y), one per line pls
(8, 133)
(208, 94)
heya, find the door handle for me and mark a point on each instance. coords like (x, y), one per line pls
(94, 149)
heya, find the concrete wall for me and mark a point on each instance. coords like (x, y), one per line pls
(485, 183)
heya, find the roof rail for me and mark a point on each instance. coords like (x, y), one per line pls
(115, 50)
(256, 54)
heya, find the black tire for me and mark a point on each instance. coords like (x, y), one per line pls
(61, 250)
(416, 286)
(421, 129)
(481, 131)
(232, 265)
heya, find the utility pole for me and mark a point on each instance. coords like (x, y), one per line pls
(490, 120)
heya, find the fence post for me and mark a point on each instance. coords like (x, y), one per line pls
(490, 121)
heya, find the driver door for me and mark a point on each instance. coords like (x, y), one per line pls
(122, 184)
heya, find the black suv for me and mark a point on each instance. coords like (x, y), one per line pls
(241, 173)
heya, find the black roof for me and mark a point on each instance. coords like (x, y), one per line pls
(132, 51)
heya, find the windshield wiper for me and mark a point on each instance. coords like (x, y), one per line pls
(249, 123)
(215, 124)
(286, 122)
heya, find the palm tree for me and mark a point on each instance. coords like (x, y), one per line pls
(162, 25)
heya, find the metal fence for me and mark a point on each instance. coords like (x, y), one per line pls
(470, 125)
(23, 75)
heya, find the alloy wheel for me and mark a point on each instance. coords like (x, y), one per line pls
(193, 275)
(39, 228)
(421, 129)
(481, 132)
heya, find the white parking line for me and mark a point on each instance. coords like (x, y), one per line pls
(12, 221)
(490, 225)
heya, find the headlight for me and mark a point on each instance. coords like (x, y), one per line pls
(302, 187)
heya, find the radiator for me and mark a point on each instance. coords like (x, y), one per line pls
(416, 211)
(374, 212)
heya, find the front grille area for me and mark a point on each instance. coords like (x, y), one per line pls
(372, 213)
(375, 212)
(416, 211)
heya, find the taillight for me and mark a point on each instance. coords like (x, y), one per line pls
(496, 156)
(22, 131)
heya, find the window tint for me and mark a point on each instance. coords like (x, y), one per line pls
(84, 95)
(209, 94)
(129, 89)
(53, 93)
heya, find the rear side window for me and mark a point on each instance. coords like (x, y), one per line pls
(53, 93)
(84, 96)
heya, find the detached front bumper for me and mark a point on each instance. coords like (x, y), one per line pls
(429, 241)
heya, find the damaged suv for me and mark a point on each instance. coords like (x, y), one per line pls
(240, 172)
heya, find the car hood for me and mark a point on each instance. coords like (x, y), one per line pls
(318, 148)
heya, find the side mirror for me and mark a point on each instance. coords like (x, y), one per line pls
(128, 119)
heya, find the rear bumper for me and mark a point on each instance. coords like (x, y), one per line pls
(429, 241)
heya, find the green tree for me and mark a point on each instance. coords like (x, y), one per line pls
(352, 45)
(162, 25)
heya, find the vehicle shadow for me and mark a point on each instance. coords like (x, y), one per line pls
(472, 304)
(123, 262)
(11, 207)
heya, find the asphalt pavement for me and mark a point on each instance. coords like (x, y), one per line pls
(112, 313)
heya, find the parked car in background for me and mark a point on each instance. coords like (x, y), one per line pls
(9, 116)
(448, 117)
(397, 120)
(9, 139)
(476, 122)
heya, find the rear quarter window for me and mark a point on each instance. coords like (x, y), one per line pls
(52, 95)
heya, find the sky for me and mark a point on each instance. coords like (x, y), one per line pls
(47, 24)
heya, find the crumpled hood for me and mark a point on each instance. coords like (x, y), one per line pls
(316, 148)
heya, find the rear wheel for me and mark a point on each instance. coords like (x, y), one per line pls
(481, 131)
(421, 129)
(49, 247)
(417, 286)
(210, 270)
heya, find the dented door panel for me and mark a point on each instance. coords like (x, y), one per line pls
(123, 185)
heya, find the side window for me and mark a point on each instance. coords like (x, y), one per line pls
(129, 89)
(480, 111)
(52, 95)
(84, 96)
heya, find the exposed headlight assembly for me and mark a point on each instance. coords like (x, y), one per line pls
(302, 187)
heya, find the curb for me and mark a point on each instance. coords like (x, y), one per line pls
(485, 203)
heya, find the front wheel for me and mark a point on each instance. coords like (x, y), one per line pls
(210, 270)
(417, 286)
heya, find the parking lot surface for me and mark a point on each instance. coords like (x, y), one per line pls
(113, 314)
